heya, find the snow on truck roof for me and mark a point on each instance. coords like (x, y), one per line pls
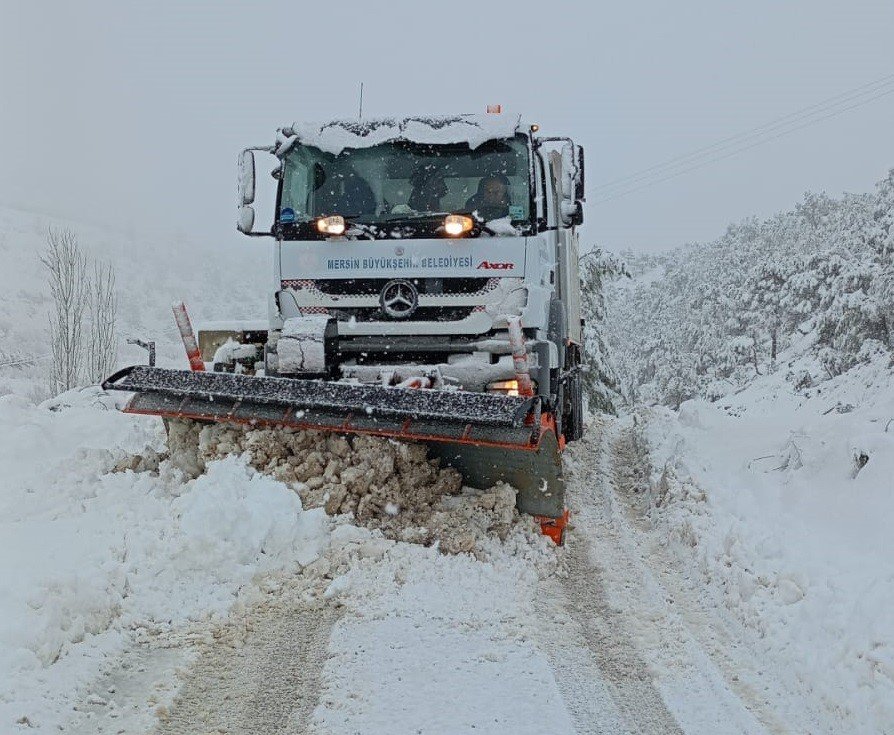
(336, 135)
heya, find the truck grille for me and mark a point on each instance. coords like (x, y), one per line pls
(374, 286)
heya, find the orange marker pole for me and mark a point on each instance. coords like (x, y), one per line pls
(188, 336)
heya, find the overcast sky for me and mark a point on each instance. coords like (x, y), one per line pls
(134, 112)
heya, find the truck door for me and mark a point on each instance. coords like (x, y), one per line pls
(568, 276)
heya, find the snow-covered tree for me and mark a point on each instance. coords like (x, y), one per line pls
(706, 319)
(600, 380)
(102, 348)
(70, 288)
(83, 341)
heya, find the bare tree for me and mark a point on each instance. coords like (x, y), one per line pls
(70, 289)
(103, 307)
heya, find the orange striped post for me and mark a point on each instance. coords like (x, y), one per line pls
(188, 336)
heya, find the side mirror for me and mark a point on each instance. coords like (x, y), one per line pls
(571, 207)
(579, 183)
(246, 222)
(246, 178)
(571, 211)
(246, 192)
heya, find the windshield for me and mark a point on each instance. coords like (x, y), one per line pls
(400, 181)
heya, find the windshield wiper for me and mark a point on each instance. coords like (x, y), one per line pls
(413, 216)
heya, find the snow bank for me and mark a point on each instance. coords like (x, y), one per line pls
(782, 504)
(91, 555)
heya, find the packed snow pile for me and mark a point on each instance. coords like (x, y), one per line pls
(384, 484)
(778, 503)
(92, 555)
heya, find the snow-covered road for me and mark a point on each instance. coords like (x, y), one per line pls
(627, 651)
(382, 636)
(637, 633)
(144, 601)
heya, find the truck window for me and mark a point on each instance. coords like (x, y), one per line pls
(401, 181)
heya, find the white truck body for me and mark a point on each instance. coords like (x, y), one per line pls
(466, 287)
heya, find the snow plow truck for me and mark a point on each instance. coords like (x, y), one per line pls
(424, 287)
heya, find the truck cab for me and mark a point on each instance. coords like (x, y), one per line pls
(410, 249)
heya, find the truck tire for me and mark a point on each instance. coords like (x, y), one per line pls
(573, 420)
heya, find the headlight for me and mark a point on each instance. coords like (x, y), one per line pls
(505, 387)
(457, 224)
(334, 225)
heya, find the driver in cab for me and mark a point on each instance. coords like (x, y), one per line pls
(342, 191)
(491, 201)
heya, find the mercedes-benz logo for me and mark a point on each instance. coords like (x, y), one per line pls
(399, 299)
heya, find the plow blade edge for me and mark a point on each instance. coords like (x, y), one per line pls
(486, 437)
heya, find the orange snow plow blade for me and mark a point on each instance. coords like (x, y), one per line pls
(488, 438)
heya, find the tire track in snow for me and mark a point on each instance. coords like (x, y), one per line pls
(633, 607)
(607, 686)
(629, 679)
(270, 683)
(781, 707)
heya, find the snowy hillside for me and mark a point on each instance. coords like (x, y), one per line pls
(765, 478)
(217, 281)
(84, 556)
(816, 282)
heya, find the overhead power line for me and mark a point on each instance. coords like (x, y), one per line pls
(735, 144)
(814, 109)
(645, 185)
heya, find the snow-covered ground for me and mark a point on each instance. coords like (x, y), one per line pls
(91, 556)
(773, 498)
(101, 562)
(777, 505)
(728, 570)
(141, 599)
